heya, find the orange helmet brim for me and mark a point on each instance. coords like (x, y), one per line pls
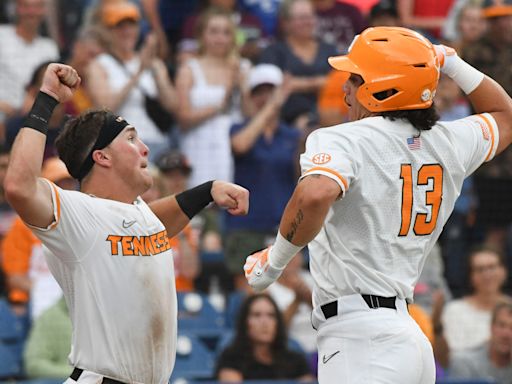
(343, 63)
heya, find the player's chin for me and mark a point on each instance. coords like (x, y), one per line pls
(147, 179)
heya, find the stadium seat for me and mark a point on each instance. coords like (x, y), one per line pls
(233, 304)
(197, 314)
(193, 359)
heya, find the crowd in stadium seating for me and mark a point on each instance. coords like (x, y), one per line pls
(230, 89)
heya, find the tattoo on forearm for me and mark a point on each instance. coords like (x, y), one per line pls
(295, 224)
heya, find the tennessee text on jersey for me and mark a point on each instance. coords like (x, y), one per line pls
(139, 245)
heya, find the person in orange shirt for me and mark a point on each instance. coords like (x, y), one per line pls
(27, 274)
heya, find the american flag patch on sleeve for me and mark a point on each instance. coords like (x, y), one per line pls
(414, 142)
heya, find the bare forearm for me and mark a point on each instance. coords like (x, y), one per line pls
(150, 8)
(114, 101)
(25, 162)
(307, 84)
(170, 214)
(303, 218)
(190, 118)
(243, 141)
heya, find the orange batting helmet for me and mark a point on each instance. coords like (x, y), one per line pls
(399, 67)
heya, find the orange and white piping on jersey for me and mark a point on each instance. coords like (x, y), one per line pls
(491, 128)
(56, 207)
(329, 172)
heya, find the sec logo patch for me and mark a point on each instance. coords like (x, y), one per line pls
(321, 158)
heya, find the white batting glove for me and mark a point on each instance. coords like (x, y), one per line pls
(446, 57)
(466, 77)
(258, 271)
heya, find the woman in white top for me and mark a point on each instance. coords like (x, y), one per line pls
(467, 321)
(207, 89)
(121, 79)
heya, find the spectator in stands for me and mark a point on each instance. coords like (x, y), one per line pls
(89, 43)
(249, 30)
(266, 151)
(466, 321)
(493, 181)
(174, 173)
(22, 49)
(338, 23)
(491, 360)
(465, 24)
(15, 122)
(49, 344)
(426, 16)
(23, 262)
(301, 56)
(259, 349)
(121, 79)
(207, 87)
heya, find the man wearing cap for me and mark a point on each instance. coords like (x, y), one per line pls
(492, 54)
(266, 153)
(109, 250)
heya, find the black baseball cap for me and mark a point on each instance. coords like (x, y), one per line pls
(173, 160)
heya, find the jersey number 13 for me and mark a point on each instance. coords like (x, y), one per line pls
(433, 198)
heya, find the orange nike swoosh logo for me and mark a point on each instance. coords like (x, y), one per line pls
(263, 258)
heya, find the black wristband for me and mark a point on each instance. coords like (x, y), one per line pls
(41, 112)
(192, 201)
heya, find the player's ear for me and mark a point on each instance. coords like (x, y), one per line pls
(101, 158)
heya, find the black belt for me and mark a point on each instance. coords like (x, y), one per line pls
(331, 309)
(77, 372)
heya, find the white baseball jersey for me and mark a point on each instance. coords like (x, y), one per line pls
(399, 190)
(114, 263)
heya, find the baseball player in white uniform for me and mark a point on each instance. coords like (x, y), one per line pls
(109, 251)
(373, 198)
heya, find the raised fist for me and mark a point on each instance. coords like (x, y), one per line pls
(59, 81)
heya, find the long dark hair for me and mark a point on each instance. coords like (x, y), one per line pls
(243, 344)
(421, 119)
